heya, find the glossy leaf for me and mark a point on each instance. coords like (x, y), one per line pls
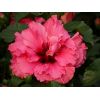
(54, 84)
(92, 73)
(8, 33)
(14, 81)
(37, 13)
(95, 50)
(84, 29)
(19, 15)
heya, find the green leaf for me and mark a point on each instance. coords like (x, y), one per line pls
(8, 33)
(14, 81)
(28, 79)
(37, 13)
(95, 50)
(72, 25)
(92, 73)
(54, 84)
(81, 27)
(20, 15)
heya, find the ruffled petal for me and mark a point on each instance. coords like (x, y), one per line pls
(68, 76)
(54, 27)
(81, 49)
(66, 56)
(21, 68)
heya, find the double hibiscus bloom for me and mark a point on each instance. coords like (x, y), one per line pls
(47, 51)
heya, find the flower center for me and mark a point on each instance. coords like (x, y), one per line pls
(47, 59)
(44, 58)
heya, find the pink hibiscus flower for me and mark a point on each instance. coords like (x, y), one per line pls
(47, 52)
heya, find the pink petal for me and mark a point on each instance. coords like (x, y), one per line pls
(53, 45)
(39, 19)
(68, 76)
(39, 31)
(17, 47)
(21, 68)
(77, 39)
(81, 49)
(40, 72)
(66, 56)
(56, 71)
(81, 52)
(54, 27)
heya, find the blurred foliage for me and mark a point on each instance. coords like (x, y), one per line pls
(92, 73)
(8, 33)
(84, 29)
(88, 24)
